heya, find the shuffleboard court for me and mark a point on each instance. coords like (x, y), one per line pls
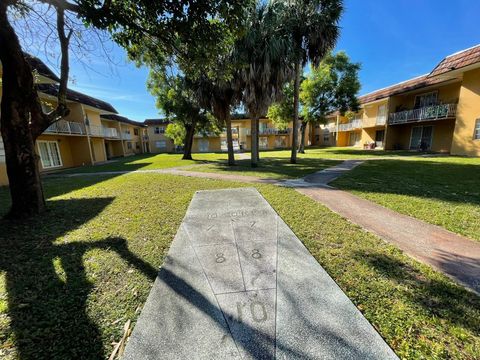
(238, 284)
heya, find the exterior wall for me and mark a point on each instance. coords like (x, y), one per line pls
(98, 150)
(399, 136)
(153, 138)
(468, 111)
(214, 144)
(3, 175)
(115, 148)
(73, 150)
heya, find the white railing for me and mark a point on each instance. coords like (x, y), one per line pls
(435, 112)
(66, 127)
(381, 120)
(126, 136)
(94, 130)
(270, 131)
(111, 133)
(354, 124)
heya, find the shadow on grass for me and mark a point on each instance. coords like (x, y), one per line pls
(441, 180)
(441, 299)
(278, 166)
(46, 284)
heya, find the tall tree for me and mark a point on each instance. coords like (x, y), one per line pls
(220, 95)
(265, 66)
(177, 97)
(171, 26)
(332, 86)
(313, 27)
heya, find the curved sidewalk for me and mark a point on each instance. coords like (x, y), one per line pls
(456, 256)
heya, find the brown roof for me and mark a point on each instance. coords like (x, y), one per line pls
(52, 89)
(122, 119)
(41, 68)
(156, 122)
(457, 61)
(409, 85)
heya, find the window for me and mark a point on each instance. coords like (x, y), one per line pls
(382, 114)
(49, 154)
(162, 144)
(281, 142)
(129, 145)
(425, 100)
(135, 132)
(203, 145)
(476, 135)
(263, 142)
(326, 137)
(137, 145)
(159, 130)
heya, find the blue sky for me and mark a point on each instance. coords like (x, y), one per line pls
(393, 40)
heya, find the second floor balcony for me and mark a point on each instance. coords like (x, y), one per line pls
(352, 125)
(428, 113)
(66, 127)
(270, 131)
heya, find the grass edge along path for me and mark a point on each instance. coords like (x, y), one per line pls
(441, 191)
(97, 266)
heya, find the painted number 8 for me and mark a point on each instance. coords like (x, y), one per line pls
(219, 258)
(256, 254)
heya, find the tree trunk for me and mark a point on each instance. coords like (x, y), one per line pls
(20, 106)
(303, 127)
(296, 92)
(189, 134)
(231, 156)
(258, 139)
(254, 142)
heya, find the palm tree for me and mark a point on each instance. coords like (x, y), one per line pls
(313, 27)
(220, 96)
(265, 66)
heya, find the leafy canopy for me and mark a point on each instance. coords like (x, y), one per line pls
(332, 86)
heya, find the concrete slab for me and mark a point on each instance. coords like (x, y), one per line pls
(247, 289)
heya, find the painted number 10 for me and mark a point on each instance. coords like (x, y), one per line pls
(257, 310)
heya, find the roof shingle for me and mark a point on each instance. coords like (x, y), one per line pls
(457, 61)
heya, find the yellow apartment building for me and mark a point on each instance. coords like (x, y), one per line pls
(439, 112)
(91, 134)
(270, 137)
(157, 141)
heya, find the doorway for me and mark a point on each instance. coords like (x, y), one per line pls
(421, 138)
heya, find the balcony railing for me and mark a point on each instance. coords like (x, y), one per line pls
(94, 130)
(381, 120)
(111, 133)
(443, 111)
(126, 136)
(270, 131)
(66, 127)
(352, 125)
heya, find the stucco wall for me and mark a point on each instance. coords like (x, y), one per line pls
(468, 111)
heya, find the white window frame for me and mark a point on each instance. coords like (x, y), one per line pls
(476, 130)
(159, 130)
(49, 153)
(2, 151)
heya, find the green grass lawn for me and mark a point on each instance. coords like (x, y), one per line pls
(147, 162)
(72, 277)
(443, 191)
(270, 167)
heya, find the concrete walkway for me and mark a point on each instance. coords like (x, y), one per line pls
(456, 256)
(238, 284)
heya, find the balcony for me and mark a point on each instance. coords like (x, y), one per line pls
(270, 131)
(111, 133)
(352, 125)
(66, 127)
(435, 112)
(381, 120)
(126, 136)
(94, 130)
